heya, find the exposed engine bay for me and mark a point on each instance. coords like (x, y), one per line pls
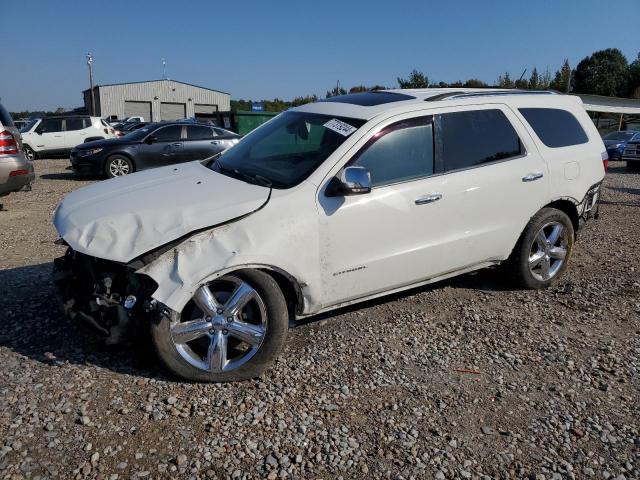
(107, 296)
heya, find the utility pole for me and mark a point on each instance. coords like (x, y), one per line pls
(164, 69)
(93, 98)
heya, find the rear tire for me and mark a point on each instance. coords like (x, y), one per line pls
(543, 251)
(118, 166)
(233, 329)
(29, 153)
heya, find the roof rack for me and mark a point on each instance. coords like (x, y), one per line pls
(453, 95)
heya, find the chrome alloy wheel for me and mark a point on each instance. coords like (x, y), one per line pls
(548, 251)
(224, 327)
(119, 167)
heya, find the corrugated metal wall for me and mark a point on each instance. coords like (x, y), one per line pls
(112, 97)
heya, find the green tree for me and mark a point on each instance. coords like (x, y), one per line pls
(504, 81)
(358, 89)
(474, 83)
(634, 78)
(545, 80)
(562, 78)
(534, 79)
(605, 72)
(416, 80)
(335, 91)
(304, 100)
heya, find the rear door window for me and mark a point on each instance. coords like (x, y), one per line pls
(469, 139)
(199, 132)
(74, 124)
(400, 152)
(555, 127)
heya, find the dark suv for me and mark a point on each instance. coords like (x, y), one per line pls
(155, 145)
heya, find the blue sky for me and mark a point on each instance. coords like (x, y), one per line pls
(267, 49)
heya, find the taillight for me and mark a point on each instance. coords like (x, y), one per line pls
(605, 160)
(17, 173)
(8, 143)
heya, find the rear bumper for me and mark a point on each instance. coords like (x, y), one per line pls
(10, 183)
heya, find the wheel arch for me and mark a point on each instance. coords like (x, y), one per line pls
(568, 206)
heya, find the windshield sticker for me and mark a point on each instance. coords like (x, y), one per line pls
(340, 127)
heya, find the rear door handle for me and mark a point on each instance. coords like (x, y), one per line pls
(176, 144)
(432, 197)
(532, 177)
(216, 142)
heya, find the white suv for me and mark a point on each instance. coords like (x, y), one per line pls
(328, 204)
(58, 135)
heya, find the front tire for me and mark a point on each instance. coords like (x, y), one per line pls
(232, 329)
(118, 166)
(543, 251)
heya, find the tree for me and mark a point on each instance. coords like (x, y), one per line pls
(562, 78)
(534, 79)
(605, 72)
(304, 100)
(504, 81)
(545, 79)
(335, 91)
(474, 83)
(358, 89)
(416, 80)
(634, 78)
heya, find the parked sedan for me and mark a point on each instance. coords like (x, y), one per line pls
(155, 145)
(125, 128)
(617, 141)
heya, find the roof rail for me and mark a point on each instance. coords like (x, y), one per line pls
(490, 93)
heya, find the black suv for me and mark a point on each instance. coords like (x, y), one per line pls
(155, 145)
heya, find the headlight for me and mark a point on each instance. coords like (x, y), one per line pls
(91, 151)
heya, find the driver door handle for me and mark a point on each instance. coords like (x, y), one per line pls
(216, 142)
(176, 144)
(432, 197)
(532, 177)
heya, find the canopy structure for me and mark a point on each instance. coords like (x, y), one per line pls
(612, 113)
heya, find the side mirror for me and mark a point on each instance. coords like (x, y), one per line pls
(351, 181)
(151, 139)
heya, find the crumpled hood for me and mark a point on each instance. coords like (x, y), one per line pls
(122, 218)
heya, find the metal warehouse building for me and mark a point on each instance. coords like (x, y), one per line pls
(157, 100)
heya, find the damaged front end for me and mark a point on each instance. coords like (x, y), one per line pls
(107, 296)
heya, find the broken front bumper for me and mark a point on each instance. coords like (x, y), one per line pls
(107, 296)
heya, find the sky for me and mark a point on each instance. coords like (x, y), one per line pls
(267, 49)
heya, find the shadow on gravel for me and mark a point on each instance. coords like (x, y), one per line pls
(486, 280)
(32, 325)
(621, 168)
(69, 176)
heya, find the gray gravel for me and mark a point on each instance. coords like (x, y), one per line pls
(463, 379)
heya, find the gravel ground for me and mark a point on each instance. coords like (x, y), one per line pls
(463, 379)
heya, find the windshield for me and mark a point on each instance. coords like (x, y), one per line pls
(287, 149)
(29, 125)
(620, 136)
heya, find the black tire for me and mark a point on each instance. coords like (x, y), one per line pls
(29, 152)
(518, 265)
(273, 341)
(123, 163)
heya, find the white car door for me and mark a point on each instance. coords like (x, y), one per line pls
(75, 131)
(49, 135)
(392, 236)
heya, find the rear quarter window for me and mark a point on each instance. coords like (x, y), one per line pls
(5, 118)
(555, 127)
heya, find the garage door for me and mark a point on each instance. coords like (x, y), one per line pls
(206, 109)
(172, 111)
(137, 109)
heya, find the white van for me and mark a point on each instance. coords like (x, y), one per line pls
(54, 136)
(329, 204)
